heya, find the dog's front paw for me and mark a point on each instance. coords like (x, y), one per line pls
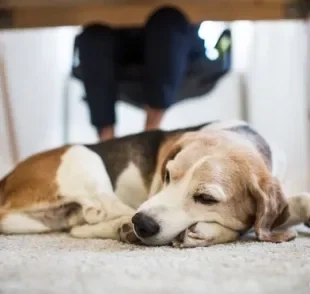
(81, 232)
(191, 237)
(94, 215)
(127, 234)
(205, 234)
(176, 243)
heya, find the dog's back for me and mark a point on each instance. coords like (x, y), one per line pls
(260, 143)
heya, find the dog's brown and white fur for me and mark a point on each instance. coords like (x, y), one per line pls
(200, 186)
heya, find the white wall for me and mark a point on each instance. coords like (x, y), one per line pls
(36, 62)
(271, 54)
(277, 101)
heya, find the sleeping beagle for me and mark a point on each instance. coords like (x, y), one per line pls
(196, 186)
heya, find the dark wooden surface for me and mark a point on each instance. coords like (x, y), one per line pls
(47, 13)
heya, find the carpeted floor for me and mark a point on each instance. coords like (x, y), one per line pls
(59, 264)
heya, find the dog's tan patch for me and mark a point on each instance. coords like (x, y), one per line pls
(32, 181)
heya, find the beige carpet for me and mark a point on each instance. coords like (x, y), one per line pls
(62, 265)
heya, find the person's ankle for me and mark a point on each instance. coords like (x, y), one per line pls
(106, 133)
(153, 118)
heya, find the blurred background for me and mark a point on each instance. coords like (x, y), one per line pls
(267, 86)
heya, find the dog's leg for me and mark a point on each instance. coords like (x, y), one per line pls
(205, 234)
(82, 178)
(299, 210)
(117, 229)
(41, 219)
(93, 213)
(21, 223)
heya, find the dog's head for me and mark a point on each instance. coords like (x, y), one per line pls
(216, 177)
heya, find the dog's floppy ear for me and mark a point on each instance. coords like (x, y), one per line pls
(172, 147)
(271, 209)
(171, 154)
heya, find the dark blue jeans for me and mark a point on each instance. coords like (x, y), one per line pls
(164, 46)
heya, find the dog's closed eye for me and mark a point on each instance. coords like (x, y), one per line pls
(167, 176)
(205, 198)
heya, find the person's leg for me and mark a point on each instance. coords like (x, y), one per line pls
(97, 60)
(167, 44)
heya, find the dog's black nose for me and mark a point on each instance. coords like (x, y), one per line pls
(144, 225)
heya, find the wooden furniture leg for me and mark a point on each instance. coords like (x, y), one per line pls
(8, 115)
